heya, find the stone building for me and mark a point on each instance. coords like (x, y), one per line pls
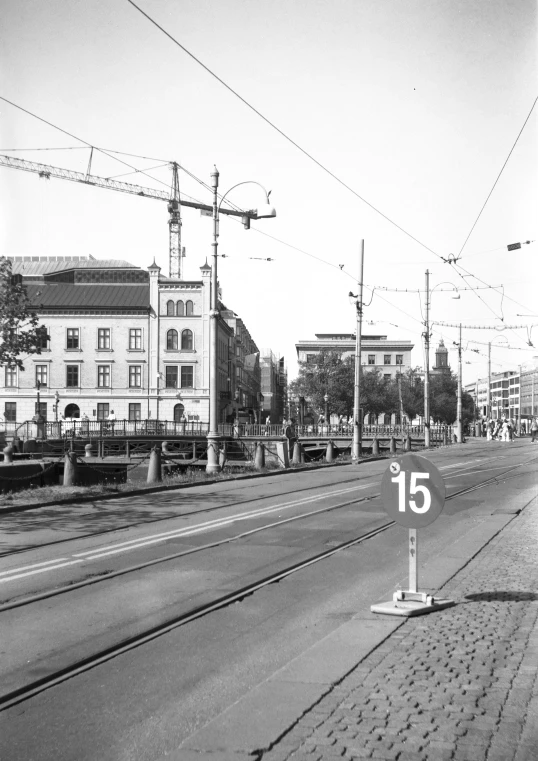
(125, 340)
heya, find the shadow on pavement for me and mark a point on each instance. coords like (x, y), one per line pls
(499, 596)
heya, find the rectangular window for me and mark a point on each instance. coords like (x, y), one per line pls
(10, 412)
(73, 338)
(41, 375)
(135, 377)
(103, 376)
(371, 359)
(386, 359)
(399, 359)
(43, 340)
(171, 377)
(71, 376)
(187, 376)
(135, 411)
(102, 410)
(103, 338)
(11, 377)
(135, 339)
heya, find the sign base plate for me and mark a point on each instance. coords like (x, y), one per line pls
(411, 604)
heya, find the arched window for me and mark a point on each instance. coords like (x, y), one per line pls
(189, 308)
(179, 409)
(72, 410)
(187, 339)
(171, 339)
(170, 308)
(180, 308)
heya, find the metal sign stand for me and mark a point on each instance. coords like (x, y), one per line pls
(411, 602)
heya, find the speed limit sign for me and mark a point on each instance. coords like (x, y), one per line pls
(412, 491)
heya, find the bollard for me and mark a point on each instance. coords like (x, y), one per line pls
(70, 469)
(408, 443)
(88, 450)
(259, 457)
(329, 452)
(8, 455)
(445, 438)
(154, 468)
(392, 445)
(282, 454)
(223, 455)
(297, 452)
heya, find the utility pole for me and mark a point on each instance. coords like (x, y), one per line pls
(489, 381)
(213, 434)
(357, 421)
(459, 429)
(427, 366)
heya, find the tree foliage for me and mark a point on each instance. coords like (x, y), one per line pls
(327, 373)
(20, 332)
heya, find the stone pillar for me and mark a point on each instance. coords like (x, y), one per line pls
(154, 469)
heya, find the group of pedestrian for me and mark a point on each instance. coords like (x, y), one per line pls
(505, 429)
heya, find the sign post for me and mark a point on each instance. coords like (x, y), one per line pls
(413, 494)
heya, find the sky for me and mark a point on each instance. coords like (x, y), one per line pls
(408, 110)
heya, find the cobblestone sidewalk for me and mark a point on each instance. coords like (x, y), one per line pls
(458, 684)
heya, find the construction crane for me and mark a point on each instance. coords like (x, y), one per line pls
(172, 198)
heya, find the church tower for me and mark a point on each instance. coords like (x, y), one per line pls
(441, 359)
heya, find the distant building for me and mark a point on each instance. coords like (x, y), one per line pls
(389, 357)
(130, 341)
(378, 352)
(274, 381)
(513, 394)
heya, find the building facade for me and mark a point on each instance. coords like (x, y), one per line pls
(378, 352)
(274, 379)
(513, 394)
(127, 341)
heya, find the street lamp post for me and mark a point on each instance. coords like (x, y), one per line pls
(357, 418)
(267, 211)
(426, 335)
(326, 400)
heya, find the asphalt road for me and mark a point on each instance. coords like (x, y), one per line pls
(154, 559)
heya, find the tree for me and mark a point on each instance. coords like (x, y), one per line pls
(412, 394)
(327, 373)
(20, 332)
(443, 398)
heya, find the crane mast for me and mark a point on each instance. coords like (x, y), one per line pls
(172, 198)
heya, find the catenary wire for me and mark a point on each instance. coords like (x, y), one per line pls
(281, 132)
(498, 176)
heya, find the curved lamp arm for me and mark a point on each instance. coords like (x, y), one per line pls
(268, 211)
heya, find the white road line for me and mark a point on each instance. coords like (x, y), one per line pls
(41, 570)
(483, 470)
(34, 565)
(134, 544)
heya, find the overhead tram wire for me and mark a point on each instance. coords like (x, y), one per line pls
(281, 132)
(498, 176)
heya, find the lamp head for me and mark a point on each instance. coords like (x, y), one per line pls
(266, 210)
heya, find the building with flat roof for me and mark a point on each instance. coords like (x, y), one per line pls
(378, 352)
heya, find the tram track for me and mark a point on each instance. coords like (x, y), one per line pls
(204, 510)
(35, 687)
(109, 576)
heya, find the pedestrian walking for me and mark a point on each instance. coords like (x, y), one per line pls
(534, 430)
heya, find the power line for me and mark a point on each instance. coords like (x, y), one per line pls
(498, 176)
(281, 132)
